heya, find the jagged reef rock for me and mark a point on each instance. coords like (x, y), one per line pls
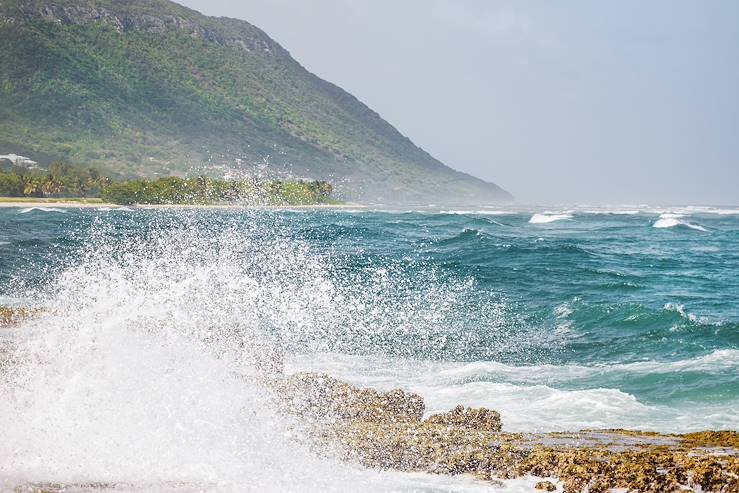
(545, 486)
(473, 419)
(385, 430)
(320, 396)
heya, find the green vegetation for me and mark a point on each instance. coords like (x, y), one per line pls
(64, 180)
(203, 190)
(148, 88)
(60, 180)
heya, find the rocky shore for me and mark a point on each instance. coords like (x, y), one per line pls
(387, 430)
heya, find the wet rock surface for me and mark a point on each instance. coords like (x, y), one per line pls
(385, 430)
(13, 316)
(473, 419)
(319, 396)
(545, 486)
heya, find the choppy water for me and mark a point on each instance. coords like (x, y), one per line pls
(560, 319)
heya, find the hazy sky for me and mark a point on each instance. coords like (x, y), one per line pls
(573, 101)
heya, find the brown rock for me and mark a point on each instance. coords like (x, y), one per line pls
(321, 396)
(545, 486)
(480, 419)
(713, 439)
(13, 316)
(383, 430)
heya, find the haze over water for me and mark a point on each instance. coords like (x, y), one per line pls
(562, 319)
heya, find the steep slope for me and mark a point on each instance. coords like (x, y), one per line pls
(148, 87)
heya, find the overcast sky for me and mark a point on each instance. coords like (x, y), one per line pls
(572, 101)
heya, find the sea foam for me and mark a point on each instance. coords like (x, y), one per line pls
(535, 398)
(141, 372)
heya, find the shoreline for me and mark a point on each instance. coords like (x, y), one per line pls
(389, 430)
(20, 204)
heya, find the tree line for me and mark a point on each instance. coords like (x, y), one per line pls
(59, 180)
(66, 180)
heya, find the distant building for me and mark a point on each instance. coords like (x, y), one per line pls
(20, 161)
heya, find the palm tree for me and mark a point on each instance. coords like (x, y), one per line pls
(31, 186)
(52, 185)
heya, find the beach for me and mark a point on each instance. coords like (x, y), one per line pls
(82, 204)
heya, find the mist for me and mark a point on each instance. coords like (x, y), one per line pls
(629, 102)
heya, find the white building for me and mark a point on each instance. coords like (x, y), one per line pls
(21, 161)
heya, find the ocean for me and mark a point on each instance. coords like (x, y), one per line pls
(561, 318)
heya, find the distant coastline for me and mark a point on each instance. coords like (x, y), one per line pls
(63, 182)
(72, 204)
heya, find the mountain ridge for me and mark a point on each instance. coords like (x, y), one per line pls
(149, 88)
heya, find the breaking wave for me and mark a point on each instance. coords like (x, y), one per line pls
(535, 398)
(548, 218)
(41, 209)
(143, 368)
(671, 220)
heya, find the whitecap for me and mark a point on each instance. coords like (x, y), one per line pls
(548, 217)
(43, 209)
(666, 222)
(672, 221)
(680, 309)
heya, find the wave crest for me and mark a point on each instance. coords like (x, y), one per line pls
(42, 209)
(548, 218)
(670, 220)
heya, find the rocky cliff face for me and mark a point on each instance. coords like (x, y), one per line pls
(143, 22)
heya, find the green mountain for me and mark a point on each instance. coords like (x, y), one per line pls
(145, 88)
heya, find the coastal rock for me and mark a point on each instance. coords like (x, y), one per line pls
(545, 486)
(385, 430)
(12, 316)
(594, 461)
(724, 438)
(473, 419)
(320, 396)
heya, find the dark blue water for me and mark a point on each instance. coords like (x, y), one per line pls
(561, 319)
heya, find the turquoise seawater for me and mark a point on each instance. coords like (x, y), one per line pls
(561, 319)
